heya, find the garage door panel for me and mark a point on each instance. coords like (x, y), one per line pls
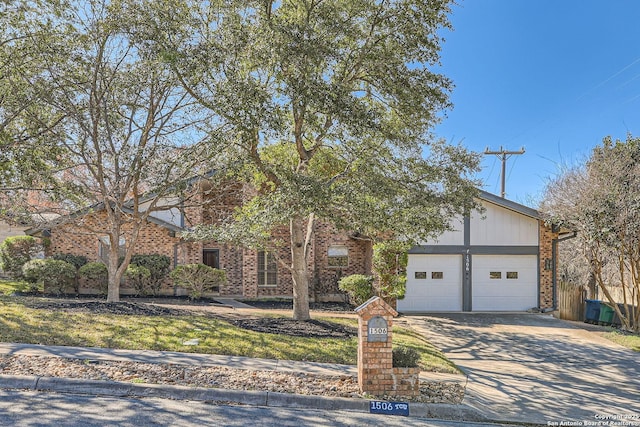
(429, 293)
(516, 289)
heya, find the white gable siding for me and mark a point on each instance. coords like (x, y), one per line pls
(170, 215)
(455, 237)
(498, 226)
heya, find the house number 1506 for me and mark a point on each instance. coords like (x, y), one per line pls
(378, 331)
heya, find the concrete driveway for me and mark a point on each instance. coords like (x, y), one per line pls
(537, 369)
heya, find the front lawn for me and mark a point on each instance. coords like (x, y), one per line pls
(23, 322)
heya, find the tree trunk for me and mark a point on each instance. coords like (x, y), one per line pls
(113, 290)
(300, 236)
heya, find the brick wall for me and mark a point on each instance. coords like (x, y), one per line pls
(325, 283)
(82, 238)
(546, 275)
(217, 200)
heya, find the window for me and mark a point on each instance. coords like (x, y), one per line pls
(104, 245)
(512, 274)
(267, 269)
(495, 275)
(338, 256)
(421, 275)
(437, 274)
(211, 257)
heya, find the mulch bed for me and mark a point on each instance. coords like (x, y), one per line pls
(297, 328)
(273, 325)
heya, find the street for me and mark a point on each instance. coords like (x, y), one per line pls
(22, 408)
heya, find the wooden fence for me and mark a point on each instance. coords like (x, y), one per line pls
(571, 301)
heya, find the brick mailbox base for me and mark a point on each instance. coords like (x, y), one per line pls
(376, 374)
(406, 382)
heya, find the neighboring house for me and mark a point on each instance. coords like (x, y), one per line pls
(250, 273)
(503, 259)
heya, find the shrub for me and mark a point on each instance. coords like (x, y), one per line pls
(56, 276)
(405, 357)
(138, 277)
(390, 265)
(198, 278)
(358, 286)
(15, 252)
(96, 275)
(76, 260)
(158, 266)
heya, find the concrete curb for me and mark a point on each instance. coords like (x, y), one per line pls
(244, 397)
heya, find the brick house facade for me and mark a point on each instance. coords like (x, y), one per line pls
(250, 273)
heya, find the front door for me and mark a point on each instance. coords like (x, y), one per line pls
(211, 257)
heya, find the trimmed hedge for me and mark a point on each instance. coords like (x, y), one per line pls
(138, 277)
(198, 278)
(76, 260)
(56, 276)
(96, 275)
(158, 267)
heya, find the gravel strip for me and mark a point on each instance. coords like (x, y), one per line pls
(211, 376)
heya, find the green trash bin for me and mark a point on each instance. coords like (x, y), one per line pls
(606, 315)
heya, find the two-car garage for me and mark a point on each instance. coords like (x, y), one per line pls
(497, 283)
(494, 261)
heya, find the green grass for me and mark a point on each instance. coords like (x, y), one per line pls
(431, 358)
(20, 322)
(627, 340)
(7, 287)
(24, 324)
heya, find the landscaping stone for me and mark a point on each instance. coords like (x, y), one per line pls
(212, 376)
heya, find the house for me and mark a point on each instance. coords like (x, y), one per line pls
(250, 273)
(503, 259)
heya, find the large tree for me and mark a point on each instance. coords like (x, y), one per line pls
(601, 201)
(24, 119)
(329, 104)
(128, 135)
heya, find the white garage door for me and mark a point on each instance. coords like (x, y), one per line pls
(504, 282)
(434, 283)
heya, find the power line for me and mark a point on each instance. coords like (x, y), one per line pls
(503, 155)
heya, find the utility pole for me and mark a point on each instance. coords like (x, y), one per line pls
(503, 155)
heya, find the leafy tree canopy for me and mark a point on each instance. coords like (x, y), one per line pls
(328, 106)
(601, 201)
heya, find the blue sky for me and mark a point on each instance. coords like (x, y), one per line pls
(552, 76)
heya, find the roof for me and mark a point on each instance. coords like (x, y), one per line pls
(126, 208)
(521, 209)
(99, 206)
(508, 204)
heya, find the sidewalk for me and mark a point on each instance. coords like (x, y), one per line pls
(257, 398)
